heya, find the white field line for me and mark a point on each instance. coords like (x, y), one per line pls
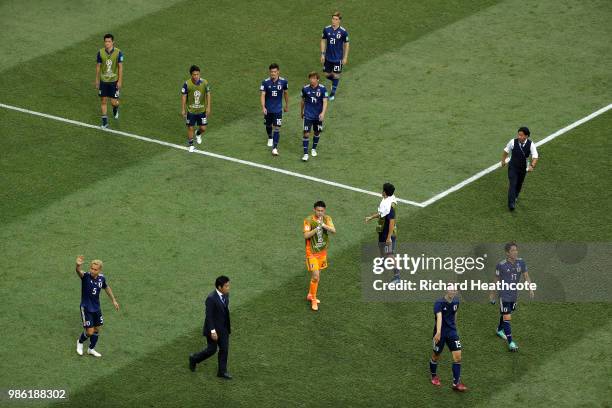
(423, 204)
(498, 164)
(205, 153)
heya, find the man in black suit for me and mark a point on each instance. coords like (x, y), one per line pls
(217, 327)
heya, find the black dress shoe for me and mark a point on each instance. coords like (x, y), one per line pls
(192, 364)
(225, 375)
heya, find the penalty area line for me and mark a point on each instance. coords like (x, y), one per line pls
(204, 153)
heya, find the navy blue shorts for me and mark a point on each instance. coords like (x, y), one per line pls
(91, 319)
(273, 119)
(108, 89)
(315, 125)
(332, 67)
(506, 307)
(384, 248)
(451, 340)
(196, 119)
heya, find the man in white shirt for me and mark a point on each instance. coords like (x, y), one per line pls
(519, 150)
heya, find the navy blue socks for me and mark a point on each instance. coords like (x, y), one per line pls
(315, 142)
(456, 373)
(433, 367)
(508, 331)
(93, 341)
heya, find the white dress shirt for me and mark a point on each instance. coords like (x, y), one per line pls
(533, 150)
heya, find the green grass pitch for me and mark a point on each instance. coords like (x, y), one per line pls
(428, 85)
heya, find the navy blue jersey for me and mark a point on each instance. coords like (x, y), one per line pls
(313, 101)
(334, 51)
(448, 309)
(510, 272)
(90, 291)
(274, 93)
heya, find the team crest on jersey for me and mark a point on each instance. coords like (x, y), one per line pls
(318, 94)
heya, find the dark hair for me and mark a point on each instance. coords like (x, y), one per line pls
(319, 204)
(109, 35)
(389, 189)
(525, 130)
(337, 14)
(509, 246)
(220, 281)
(194, 68)
(273, 66)
(314, 74)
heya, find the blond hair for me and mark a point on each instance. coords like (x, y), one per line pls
(96, 262)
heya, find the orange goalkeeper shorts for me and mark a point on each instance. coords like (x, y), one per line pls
(316, 262)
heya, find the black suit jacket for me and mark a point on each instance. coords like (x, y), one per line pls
(217, 315)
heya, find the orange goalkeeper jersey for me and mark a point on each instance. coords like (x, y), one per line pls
(317, 244)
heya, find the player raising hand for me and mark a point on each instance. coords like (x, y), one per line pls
(92, 282)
